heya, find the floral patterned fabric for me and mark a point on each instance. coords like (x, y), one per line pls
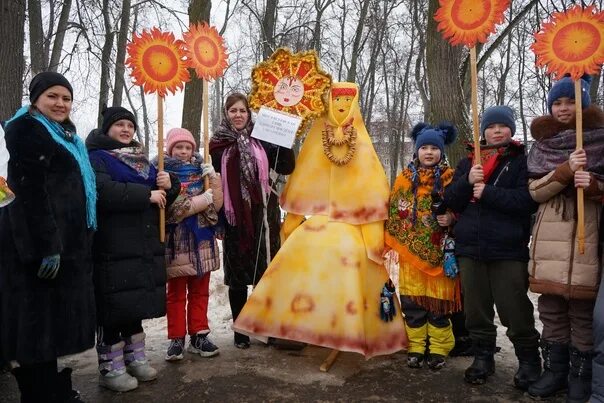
(413, 232)
(419, 242)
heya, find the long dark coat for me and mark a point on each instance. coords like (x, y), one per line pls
(242, 269)
(41, 320)
(497, 227)
(129, 261)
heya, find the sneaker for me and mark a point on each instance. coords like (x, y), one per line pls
(176, 349)
(436, 361)
(415, 360)
(201, 344)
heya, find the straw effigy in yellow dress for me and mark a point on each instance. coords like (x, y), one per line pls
(324, 285)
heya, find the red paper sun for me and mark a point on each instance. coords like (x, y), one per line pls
(571, 43)
(469, 21)
(157, 62)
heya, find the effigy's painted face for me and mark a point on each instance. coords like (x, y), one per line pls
(289, 91)
(341, 105)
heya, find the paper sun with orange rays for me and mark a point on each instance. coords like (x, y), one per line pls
(469, 21)
(205, 51)
(292, 83)
(158, 62)
(571, 43)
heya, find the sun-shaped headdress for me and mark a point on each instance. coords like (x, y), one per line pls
(205, 51)
(571, 43)
(293, 83)
(469, 21)
(158, 62)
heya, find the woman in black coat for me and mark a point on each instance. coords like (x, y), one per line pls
(129, 265)
(244, 163)
(46, 291)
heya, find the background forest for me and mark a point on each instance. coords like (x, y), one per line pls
(406, 71)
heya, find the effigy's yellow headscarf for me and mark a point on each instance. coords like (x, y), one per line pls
(338, 173)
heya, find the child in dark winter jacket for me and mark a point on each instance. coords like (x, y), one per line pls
(491, 235)
(192, 252)
(416, 226)
(129, 259)
(566, 279)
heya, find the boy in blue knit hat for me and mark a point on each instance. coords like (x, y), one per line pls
(492, 234)
(567, 279)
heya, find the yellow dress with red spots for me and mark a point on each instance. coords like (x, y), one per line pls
(323, 286)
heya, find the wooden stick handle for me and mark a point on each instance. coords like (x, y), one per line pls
(206, 134)
(160, 161)
(329, 361)
(475, 122)
(580, 196)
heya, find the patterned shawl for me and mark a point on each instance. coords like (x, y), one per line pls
(188, 234)
(134, 157)
(549, 153)
(244, 166)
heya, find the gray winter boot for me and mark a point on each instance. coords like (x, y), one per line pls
(113, 371)
(136, 362)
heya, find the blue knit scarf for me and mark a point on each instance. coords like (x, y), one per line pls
(75, 146)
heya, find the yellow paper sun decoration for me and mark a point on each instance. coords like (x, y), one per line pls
(571, 43)
(158, 62)
(206, 51)
(292, 83)
(469, 21)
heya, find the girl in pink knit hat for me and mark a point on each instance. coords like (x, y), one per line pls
(192, 251)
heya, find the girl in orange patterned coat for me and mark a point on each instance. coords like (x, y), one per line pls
(416, 229)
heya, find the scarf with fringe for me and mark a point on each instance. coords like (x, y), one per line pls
(244, 166)
(66, 137)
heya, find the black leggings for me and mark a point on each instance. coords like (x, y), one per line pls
(237, 299)
(110, 335)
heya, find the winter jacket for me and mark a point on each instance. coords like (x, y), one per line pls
(496, 227)
(556, 266)
(241, 269)
(41, 320)
(180, 261)
(129, 259)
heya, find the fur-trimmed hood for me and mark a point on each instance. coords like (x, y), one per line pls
(547, 126)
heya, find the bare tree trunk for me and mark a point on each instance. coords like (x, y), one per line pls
(199, 10)
(356, 46)
(39, 61)
(446, 94)
(320, 7)
(57, 46)
(12, 32)
(269, 19)
(122, 39)
(105, 61)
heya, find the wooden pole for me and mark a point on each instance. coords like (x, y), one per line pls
(329, 361)
(206, 129)
(475, 123)
(160, 160)
(580, 198)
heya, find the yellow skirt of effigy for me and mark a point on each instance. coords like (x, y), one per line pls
(322, 289)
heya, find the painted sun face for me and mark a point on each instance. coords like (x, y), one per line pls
(289, 91)
(341, 105)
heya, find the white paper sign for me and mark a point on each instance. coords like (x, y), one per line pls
(276, 127)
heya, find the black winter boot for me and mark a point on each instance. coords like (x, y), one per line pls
(484, 363)
(529, 366)
(25, 381)
(64, 391)
(554, 378)
(579, 378)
